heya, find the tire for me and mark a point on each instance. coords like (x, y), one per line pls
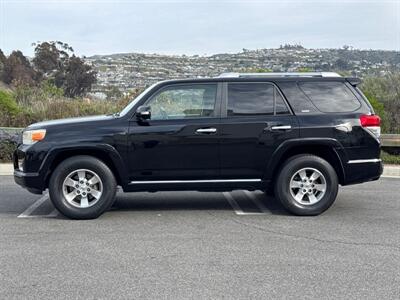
(318, 197)
(82, 171)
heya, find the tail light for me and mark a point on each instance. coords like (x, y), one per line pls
(372, 123)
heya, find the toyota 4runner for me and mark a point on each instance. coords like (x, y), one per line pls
(296, 135)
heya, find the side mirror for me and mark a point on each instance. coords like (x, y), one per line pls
(143, 113)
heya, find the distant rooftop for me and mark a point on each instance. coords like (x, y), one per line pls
(280, 74)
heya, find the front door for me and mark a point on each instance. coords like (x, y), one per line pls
(256, 120)
(180, 141)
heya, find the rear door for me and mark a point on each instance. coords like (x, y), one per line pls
(255, 121)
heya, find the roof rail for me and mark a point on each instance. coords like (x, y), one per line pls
(280, 74)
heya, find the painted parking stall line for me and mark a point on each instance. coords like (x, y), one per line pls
(257, 202)
(241, 208)
(30, 211)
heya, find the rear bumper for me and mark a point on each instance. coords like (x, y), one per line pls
(358, 171)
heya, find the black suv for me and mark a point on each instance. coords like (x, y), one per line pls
(296, 135)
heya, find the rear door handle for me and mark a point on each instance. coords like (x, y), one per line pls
(206, 131)
(277, 127)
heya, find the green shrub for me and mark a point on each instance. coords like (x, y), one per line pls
(8, 105)
(390, 158)
(379, 109)
(6, 150)
(9, 109)
(30, 104)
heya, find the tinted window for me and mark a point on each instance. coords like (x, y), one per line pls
(250, 99)
(183, 102)
(280, 105)
(330, 96)
(246, 99)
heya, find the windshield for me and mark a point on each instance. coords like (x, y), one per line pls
(136, 100)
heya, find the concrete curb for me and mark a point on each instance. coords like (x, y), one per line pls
(388, 170)
(391, 171)
(6, 169)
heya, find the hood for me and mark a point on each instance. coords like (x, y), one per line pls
(45, 124)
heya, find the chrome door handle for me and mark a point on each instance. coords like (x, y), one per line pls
(281, 127)
(206, 130)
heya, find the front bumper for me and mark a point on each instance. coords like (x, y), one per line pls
(31, 181)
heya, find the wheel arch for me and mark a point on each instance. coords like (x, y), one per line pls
(329, 149)
(106, 153)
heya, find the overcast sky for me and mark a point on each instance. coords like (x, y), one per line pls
(198, 27)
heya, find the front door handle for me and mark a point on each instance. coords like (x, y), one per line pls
(281, 127)
(206, 131)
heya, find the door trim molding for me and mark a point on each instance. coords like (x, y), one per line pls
(193, 181)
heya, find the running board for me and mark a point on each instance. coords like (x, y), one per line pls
(199, 185)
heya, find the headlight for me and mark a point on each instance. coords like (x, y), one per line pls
(30, 137)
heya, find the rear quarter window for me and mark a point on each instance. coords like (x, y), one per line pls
(330, 97)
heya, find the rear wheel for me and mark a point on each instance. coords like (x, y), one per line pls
(82, 187)
(306, 185)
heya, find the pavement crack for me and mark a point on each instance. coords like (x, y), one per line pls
(312, 238)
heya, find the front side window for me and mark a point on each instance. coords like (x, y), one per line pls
(184, 102)
(330, 96)
(250, 99)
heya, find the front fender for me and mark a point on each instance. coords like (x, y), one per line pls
(103, 150)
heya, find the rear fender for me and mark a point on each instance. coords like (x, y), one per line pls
(288, 146)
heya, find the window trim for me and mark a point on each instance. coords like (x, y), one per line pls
(217, 106)
(224, 104)
(300, 83)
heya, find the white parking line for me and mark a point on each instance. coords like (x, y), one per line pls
(257, 202)
(236, 206)
(53, 214)
(34, 206)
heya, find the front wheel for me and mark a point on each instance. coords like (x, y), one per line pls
(82, 187)
(307, 185)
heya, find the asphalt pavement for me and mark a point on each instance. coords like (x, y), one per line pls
(180, 245)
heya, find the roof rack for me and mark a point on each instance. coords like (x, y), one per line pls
(280, 74)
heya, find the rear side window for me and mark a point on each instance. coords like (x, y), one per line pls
(330, 96)
(250, 99)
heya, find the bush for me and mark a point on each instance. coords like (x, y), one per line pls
(8, 104)
(6, 150)
(9, 109)
(30, 104)
(385, 90)
(390, 158)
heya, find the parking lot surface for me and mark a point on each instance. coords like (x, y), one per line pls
(179, 245)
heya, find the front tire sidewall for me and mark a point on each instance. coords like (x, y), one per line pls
(70, 165)
(282, 188)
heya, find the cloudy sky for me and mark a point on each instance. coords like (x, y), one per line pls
(198, 26)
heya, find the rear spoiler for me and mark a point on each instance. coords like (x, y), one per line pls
(354, 81)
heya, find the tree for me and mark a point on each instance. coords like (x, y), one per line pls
(51, 57)
(79, 77)
(3, 59)
(56, 62)
(18, 70)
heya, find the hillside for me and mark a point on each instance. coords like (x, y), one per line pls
(129, 70)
